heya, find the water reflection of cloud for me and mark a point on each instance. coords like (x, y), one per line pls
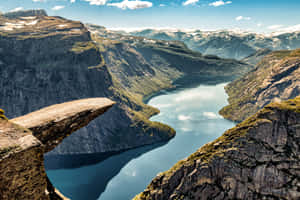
(130, 172)
(184, 129)
(193, 95)
(211, 115)
(184, 117)
(162, 105)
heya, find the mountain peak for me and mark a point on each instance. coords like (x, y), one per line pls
(25, 13)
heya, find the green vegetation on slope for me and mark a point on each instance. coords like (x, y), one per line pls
(80, 47)
(291, 104)
(273, 79)
(2, 116)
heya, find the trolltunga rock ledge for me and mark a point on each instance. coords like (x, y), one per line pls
(54, 123)
(24, 140)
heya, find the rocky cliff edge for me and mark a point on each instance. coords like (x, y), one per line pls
(24, 140)
(257, 159)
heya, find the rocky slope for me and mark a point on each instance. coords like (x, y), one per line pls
(226, 44)
(46, 60)
(22, 173)
(275, 78)
(257, 159)
(254, 58)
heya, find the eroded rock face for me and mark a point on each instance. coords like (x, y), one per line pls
(258, 159)
(22, 173)
(276, 78)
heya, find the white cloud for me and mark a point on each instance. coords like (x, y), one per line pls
(211, 115)
(183, 117)
(259, 25)
(162, 5)
(97, 2)
(162, 105)
(275, 27)
(58, 7)
(220, 3)
(188, 2)
(39, 0)
(72, 1)
(190, 96)
(292, 28)
(239, 18)
(280, 29)
(17, 9)
(184, 129)
(132, 5)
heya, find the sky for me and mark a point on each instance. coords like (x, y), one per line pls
(262, 16)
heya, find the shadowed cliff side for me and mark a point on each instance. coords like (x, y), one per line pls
(48, 60)
(22, 173)
(257, 159)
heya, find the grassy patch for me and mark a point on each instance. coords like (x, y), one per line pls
(281, 54)
(292, 105)
(80, 47)
(2, 116)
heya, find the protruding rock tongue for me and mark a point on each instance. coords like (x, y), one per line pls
(54, 123)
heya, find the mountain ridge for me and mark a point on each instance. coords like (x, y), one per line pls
(274, 79)
(226, 43)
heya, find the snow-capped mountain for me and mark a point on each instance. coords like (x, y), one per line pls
(226, 44)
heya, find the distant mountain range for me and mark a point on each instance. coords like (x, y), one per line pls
(225, 44)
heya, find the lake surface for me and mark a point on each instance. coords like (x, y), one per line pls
(193, 113)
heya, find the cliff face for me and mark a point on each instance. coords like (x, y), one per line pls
(274, 79)
(257, 159)
(47, 60)
(22, 173)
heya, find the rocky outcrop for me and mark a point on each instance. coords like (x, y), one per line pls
(275, 78)
(54, 123)
(22, 173)
(257, 159)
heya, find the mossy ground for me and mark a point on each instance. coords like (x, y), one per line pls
(292, 105)
(80, 47)
(2, 116)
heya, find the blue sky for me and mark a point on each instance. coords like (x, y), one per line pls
(252, 15)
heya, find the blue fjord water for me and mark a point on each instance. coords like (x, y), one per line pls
(192, 112)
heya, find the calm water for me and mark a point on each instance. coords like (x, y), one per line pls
(194, 115)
